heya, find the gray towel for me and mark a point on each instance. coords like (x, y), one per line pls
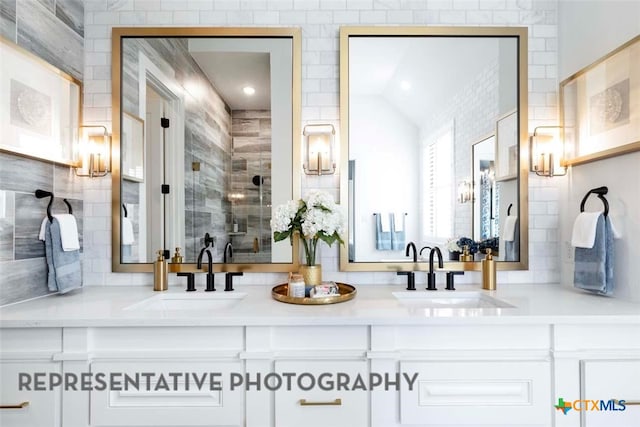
(383, 239)
(397, 237)
(64, 270)
(594, 266)
(512, 248)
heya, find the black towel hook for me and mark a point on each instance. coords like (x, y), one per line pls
(509, 209)
(600, 192)
(42, 194)
(66, 202)
(124, 207)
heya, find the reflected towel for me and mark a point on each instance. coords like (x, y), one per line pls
(64, 269)
(512, 247)
(509, 230)
(398, 225)
(68, 231)
(397, 232)
(385, 222)
(383, 238)
(594, 265)
(128, 237)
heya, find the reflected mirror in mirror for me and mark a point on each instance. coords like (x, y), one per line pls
(418, 101)
(206, 142)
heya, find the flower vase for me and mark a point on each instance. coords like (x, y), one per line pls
(312, 274)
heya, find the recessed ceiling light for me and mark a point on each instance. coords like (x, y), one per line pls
(248, 90)
(405, 85)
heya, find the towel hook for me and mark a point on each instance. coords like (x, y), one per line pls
(600, 192)
(66, 202)
(509, 209)
(124, 207)
(42, 194)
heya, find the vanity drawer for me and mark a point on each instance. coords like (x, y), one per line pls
(317, 407)
(479, 393)
(186, 404)
(606, 380)
(43, 408)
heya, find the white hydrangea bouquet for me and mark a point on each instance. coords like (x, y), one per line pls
(315, 217)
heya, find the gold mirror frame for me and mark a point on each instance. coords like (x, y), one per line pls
(116, 62)
(523, 189)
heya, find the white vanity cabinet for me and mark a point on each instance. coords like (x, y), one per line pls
(493, 374)
(317, 407)
(320, 354)
(29, 402)
(612, 380)
(162, 366)
(489, 375)
(598, 362)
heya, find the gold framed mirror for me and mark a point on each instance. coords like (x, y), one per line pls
(413, 102)
(216, 146)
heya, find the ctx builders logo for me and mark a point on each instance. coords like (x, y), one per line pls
(590, 405)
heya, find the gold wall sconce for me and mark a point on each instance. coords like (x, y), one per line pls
(465, 191)
(319, 158)
(547, 153)
(94, 150)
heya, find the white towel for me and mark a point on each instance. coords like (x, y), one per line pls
(509, 231)
(127, 232)
(584, 230)
(68, 231)
(385, 222)
(398, 222)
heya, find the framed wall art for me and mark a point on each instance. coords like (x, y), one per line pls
(600, 107)
(39, 107)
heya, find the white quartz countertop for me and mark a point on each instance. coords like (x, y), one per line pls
(104, 306)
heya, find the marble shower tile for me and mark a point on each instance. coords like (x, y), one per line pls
(249, 144)
(258, 114)
(47, 4)
(130, 192)
(245, 127)
(71, 12)
(7, 224)
(66, 183)
(25, 175)
(22, 280)
(27, 225)
(8, 19)
(41, 33)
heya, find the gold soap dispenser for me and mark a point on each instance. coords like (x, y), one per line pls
(489, 272)
(465, 256)
(177, 257)
(160, 273)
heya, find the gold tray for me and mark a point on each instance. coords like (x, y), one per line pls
(347, 292)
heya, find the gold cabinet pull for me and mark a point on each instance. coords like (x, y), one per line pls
(336, 402)
(628, 402)
(16, 406)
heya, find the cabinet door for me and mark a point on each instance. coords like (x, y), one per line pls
(183, 396)
(42, 407)
(325, 404)
(610, 380)
(478, 393)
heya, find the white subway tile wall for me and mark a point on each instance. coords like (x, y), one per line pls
(320, 22)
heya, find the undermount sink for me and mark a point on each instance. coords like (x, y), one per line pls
(423, 299)
(192, 301)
